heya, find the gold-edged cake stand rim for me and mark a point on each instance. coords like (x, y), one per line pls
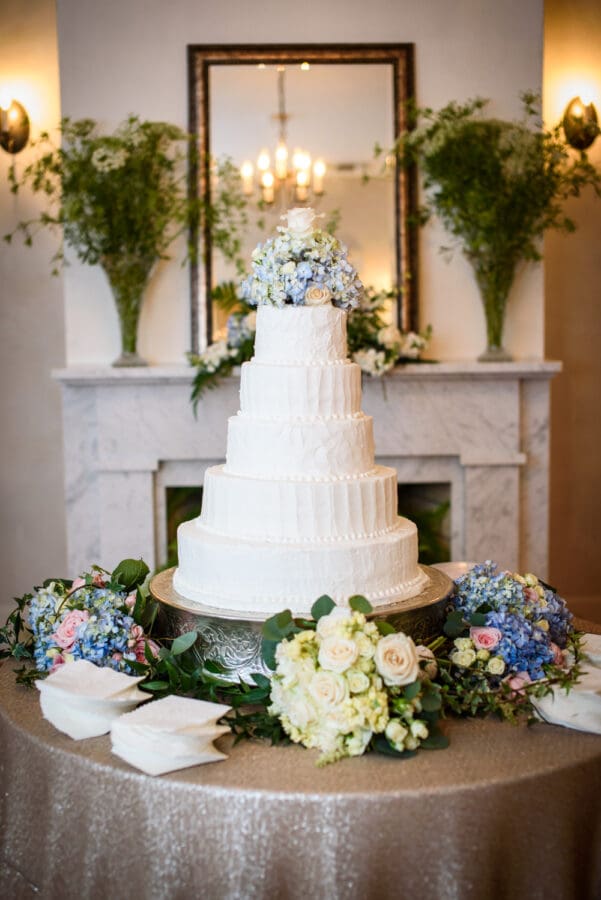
(161, 587)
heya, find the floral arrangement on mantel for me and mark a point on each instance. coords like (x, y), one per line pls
(121, 200)
(497, 187)
(344, 682)
(305, 266)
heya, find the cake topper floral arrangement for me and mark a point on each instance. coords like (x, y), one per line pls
(305, 266)
(302, 265)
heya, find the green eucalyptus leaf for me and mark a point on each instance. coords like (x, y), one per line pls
(211, 665)
(155, 685)
(360, 604)
(268, 649)
(431, 700)
(454, 624)
(436, 740)
(323, 606)
(183, 642)
(130, 573)
(477, 619)
(261, 680)
(412, 690)
(385, 627)
(279, 626)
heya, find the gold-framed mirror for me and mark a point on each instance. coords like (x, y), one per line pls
(332, 103)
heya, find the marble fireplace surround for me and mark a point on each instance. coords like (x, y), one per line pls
(482, 428)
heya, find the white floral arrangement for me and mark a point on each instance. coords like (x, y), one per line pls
(375, 344)
(344, 684)
(303, 265)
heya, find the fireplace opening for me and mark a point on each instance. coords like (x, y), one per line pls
(429, 506)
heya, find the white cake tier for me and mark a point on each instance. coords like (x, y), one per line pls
(300, 392)
(324, 448)
(302, 334)
(299, 511)
(262, 577)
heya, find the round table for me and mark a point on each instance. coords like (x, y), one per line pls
(506, 812)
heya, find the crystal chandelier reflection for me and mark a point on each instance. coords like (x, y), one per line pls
(293, 177)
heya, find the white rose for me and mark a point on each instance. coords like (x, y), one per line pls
(317, 295)
(463, 658)
(396, 659)
(396, 734)
(358, 741)
(390, 336)
(357, 682)
(328, 689)
(300, 711)
(419, 729)
(300, 221)
(496, 666)
(337, 654)
(329, 624)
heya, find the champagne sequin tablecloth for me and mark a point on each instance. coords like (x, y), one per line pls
(505, 812)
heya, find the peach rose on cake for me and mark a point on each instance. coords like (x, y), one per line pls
(317, 295)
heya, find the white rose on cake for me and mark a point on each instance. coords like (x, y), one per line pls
(317, 295)
(300, 221)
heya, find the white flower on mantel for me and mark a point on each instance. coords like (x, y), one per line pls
(317, 295)
(300, 221)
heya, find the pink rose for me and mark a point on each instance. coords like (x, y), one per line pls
(57, 662)
(140, 646)
(77, 584)
(558, 658)
(130, 600)
(518, 682)
(66, 632)
(485, 638)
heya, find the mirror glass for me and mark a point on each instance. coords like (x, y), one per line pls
(333, 112)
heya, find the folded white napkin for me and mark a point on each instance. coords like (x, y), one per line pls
(580, 707)
(82, 700)
(169, 734)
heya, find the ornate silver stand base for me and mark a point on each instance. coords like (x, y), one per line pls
(234, 640)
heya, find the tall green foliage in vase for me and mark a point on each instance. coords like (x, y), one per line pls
(121, 200)
(496, 186)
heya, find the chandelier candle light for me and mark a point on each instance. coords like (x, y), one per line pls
(289, 177)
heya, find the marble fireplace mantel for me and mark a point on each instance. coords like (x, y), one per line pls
(483, 428)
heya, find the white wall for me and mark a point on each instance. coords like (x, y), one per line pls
(32, 530)
(118, 58)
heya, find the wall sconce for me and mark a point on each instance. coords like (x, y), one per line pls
(14, 127)
(580, 124)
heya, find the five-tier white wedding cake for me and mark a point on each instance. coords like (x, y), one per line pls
(299, 509)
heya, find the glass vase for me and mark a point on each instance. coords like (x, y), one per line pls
(494, 301)
(128, 280)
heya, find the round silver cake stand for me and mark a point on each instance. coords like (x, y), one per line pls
(234, 639)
